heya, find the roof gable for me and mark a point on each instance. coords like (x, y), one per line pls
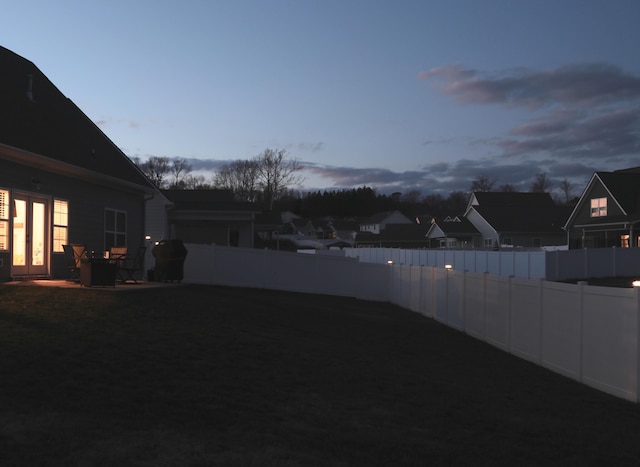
(622, 186)
(42, 121)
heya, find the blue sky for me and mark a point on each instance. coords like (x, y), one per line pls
(396, 95)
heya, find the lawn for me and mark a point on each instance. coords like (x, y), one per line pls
(213, 376)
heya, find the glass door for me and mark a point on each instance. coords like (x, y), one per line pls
(30, 236)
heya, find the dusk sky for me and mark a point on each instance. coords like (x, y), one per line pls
(395, 95)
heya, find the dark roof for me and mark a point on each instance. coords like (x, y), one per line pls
(624, 186)
(534, 219)
(523, 200)
(452, 227)
(379, 217)
(45, 122)
(206, 200)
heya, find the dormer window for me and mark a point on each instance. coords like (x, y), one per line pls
(598, 207)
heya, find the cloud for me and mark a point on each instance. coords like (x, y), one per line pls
(311, 147)
(109, 121)
(592, 83)
(591, 111)
(613, 133)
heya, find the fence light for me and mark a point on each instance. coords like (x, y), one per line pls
(389, 261)
(448, 266)
(636, 283)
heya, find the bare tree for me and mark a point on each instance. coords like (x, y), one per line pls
(567, 187)
(156, 169)
(541, 184)
(276, 173)
(483, 183)
(179, 168)
(241, 177)
(507, 188)
(195, 182)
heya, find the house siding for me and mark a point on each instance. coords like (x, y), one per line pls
(87, 202)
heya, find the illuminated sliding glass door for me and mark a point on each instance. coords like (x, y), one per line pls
(30, 235)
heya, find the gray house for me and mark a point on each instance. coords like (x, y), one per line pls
(517, 219)
(62, 180)
(608, 212)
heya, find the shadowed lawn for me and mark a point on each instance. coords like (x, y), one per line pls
(211, 376)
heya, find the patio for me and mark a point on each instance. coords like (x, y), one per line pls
(68, 284)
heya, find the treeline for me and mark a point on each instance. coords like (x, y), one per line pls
(268, 180)
(366, 201)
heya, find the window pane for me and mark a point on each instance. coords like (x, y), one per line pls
(4, 235)
(60, 212)
(109, 220)
(59, 238)
(121, 222)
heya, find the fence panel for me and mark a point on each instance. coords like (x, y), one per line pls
(610, 330)
(372, 282)
(562, 328)
(526, 319)
(474, 303)
(415, 277)
(497, 305)
(440, 294)
(427, 284)
(455, 283)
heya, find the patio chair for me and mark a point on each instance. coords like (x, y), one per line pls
(73, 261)
(128, 267)
(79, 255)
(118, 255)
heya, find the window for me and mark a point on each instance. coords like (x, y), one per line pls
(4, 219)
(598, 207)
(488, 242)
(115, 228)
(60, 224)
(507, 241)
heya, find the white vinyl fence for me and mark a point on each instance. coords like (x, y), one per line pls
(584, 332)
(535, 264)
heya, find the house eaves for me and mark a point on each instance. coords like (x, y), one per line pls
(23, 157)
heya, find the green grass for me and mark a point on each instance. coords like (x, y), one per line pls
(212, 376)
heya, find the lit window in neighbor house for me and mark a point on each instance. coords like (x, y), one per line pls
(4, 219)
(60, 224)
(598, 207)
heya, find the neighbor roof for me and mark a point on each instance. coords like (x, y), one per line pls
(38, 119)
(206, 200)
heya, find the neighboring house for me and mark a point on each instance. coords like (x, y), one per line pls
(396, 236)
(378, 222)
(517, 219)
(608, 212)
(62, 180)
(201, 216)
(453, 232)
(344, 229)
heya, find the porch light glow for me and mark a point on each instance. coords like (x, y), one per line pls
(389, 261)
(448, 266)
(636, 283)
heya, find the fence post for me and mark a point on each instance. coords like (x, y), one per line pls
(637, 289)
(541, 336)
